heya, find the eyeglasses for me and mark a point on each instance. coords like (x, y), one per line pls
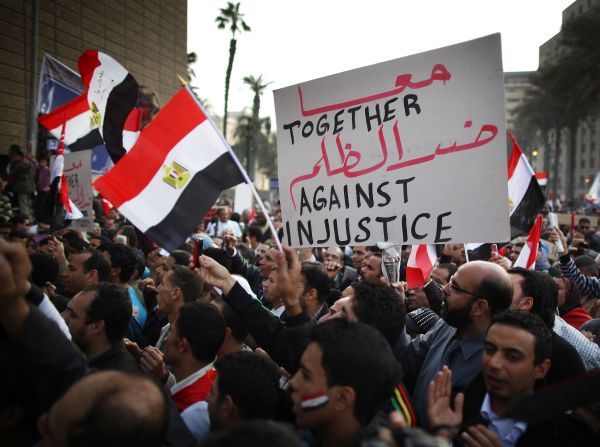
(456, 288)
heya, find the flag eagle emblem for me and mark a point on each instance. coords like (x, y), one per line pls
(176, 175)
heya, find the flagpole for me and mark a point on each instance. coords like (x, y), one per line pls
(239, 165)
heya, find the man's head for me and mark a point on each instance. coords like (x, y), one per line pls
(97, 316)
(334, 254)
(260, 251)
(457, 254)
(106, 409)
(122, 262)
(477, 291)
(224, 214)
(331, 384)
(516, 354)
(443, 272)
(358, 256)
(254, 235)
(196, 335)
(267, 262)
(378, 306)
(180, 285)
(371, 269)
(85, 269)
(584, 224)
(269, 287)
(415, 299)
(336, 310)
(587, 265)
(315, 285)
(15, 152)
(21, 223)
(246, 387)
(534, 292)
(515, 251)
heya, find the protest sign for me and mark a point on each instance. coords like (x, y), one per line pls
(78, 171)
(410, 151)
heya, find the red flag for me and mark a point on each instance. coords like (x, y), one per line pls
(529, 252)
(420, 264)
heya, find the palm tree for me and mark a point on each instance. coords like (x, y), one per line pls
(257, 85)
(230, 16)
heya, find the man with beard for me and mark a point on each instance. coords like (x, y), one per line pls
(477, 292)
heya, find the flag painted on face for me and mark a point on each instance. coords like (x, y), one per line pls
(173, 174)
(111, 94)
(58, 208)
(529, 252)
(526, 199)
(81, 130)
(420, 264)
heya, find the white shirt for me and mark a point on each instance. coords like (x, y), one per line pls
(508, 430)
(218, 228)
(195, 416)
(48, 309)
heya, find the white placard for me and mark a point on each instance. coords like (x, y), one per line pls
(78, 171)
(410, 151)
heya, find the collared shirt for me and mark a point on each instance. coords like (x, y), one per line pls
(191, 378)
(424, 356)
(587, 349)
(508, 430)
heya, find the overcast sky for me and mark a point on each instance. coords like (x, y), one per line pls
(295, 41)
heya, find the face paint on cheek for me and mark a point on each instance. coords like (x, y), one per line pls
(314, 401)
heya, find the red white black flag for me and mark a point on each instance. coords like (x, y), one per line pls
(173, 174)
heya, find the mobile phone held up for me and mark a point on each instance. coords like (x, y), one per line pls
(198, 248)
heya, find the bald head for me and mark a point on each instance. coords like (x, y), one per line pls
(108, 408)
(491, 282)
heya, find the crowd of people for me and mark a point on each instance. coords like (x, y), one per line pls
(106, 339)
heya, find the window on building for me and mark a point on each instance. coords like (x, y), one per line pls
(582, 163)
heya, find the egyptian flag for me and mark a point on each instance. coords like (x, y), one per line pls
(82, 132)
(526, 199)
(173, 174)
(131, 129)
(420, 264)
(111, 94)
(529, 252)
(58, 208)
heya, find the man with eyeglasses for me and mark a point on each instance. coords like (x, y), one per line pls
(474, 294)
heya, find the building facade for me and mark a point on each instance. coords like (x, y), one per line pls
(587, 141)
(148, 37)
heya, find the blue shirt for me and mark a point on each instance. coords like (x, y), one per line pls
(139, 310)
(508, 430)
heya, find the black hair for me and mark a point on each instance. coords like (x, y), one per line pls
(181, 257)
(129, 232)
(187, 281)
(533, 324)
(220, 256)
(251, 381)
(315, 277)
(16, 150)
(256, 433)
(450, 266)
(203, 326)
(253, 231)
(239, 331)
(45, 269)
(542, 289)
(97, 261)
(111, 305)
(497, 291)
(19, 219)
(75, 243)
(123, 257)
(584, 261)
(379, 306)
(358, 356)
(117, 418)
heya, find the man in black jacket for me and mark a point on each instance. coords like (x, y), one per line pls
(105, 408)
(98, 318)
